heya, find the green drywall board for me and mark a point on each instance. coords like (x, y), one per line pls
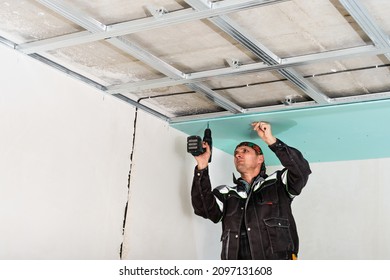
(323, 134)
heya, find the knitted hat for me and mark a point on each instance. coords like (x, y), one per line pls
(252, 145)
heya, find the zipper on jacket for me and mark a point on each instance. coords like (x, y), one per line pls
(245, 221)
(246, 224)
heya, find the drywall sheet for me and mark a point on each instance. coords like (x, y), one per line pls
(323, 134)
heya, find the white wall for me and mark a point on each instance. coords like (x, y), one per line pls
(344, 212)
(64, 161)
(160, 222)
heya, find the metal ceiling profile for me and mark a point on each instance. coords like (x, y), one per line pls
(294, 55)
(367, 23)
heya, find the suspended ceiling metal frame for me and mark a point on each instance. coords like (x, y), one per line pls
(239, 34)
(148, 58)
(367, 23)
(216, 13)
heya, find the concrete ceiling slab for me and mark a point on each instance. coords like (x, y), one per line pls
(359, 82)
(379, 11)
(181, 104)
(335, 66)
(201, 46)
(299, 27)
(101, 59)
(191, 59)
(116, 11)
(25, 21)
(258, 95)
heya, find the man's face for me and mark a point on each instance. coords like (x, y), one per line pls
(246, 159)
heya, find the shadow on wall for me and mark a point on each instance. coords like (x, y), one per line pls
(185, 175)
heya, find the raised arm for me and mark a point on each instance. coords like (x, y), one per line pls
(202, 198)
(298, 169)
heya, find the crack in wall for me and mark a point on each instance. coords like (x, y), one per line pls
(128, 184)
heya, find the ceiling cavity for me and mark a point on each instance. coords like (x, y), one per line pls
(184, 60)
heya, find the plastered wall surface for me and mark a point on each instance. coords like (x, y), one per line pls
(160, 221)
(343, 214)
(64, 161)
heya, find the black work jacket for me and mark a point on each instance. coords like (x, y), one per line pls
(264, 213)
